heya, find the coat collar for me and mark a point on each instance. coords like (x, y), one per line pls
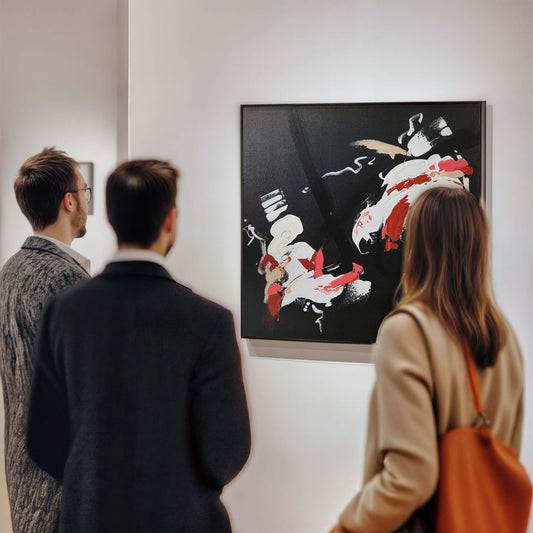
(44, 245)
(136, 268)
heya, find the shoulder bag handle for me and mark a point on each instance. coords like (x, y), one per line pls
(481, 419)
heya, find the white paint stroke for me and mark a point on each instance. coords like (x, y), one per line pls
(275, 206)
(275, 214)
(357, 163)
(319, 312)
(411, 130)
(425, 139)
(357, 290)
(269, 195)
(284, 231)
(339, 172)
(252, 234)
(272, 200)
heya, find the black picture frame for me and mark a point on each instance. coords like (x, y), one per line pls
(325, 164)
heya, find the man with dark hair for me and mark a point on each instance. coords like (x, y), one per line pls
(53, 195)
(138, 406)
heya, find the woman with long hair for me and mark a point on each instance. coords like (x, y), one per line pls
(422, 389)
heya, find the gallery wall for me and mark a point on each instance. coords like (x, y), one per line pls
(60, 87)
(63, 68)
(193, 63)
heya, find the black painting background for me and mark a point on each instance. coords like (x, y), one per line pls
(270, 160)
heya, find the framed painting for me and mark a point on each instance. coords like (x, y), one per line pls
(326, 189)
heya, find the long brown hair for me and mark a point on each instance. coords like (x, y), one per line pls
(446, 268)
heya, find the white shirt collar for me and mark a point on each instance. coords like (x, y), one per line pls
(138, 255)
(79, 258)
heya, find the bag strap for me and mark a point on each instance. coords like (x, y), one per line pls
(481, 419)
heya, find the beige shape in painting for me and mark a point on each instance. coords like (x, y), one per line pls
(381, 147)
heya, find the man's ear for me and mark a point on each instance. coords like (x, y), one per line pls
(68, 202)
(170, 220)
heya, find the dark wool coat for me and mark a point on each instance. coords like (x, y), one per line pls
(28, 280)
(138, 405)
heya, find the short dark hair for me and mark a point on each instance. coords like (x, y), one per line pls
(139, 195)
(41, 184)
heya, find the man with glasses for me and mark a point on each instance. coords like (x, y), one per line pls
(54, 197)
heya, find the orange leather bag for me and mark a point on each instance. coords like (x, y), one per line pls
(483, 488)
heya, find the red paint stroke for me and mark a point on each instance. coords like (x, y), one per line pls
(275, 295)
(308, 264)
(269, 259)
(316, 263)
(274, 304)
(343, 280)
(449, 165)
(319, 263)
(275, 288)
(405, 184)
(392, 230)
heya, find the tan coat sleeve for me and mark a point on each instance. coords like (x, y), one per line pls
(405, 440)
(516, 438)
(516, 442)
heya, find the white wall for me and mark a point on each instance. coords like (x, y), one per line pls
(193, 62)
(59, 87)
(59, 83)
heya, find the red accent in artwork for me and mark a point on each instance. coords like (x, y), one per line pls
(316, 263)
(274, 299)
(392, 230)
(344, 279)
(275, 288)
(449, 165)
(310, 265)
(363, 218)
(405, 184)
(269, 259)
(274, 304)
(319, 263)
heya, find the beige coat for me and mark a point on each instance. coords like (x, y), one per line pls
(401, 460)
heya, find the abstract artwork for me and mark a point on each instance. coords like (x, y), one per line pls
(326, 189)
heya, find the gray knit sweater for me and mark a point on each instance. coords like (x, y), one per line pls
(28, 280)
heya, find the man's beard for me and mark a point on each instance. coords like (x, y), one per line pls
(79, 220)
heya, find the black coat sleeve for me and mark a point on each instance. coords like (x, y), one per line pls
(220, 419)
(48, 425)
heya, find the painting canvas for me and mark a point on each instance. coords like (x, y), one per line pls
(325, 194)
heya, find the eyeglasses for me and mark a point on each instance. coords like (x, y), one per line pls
(88, 192)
